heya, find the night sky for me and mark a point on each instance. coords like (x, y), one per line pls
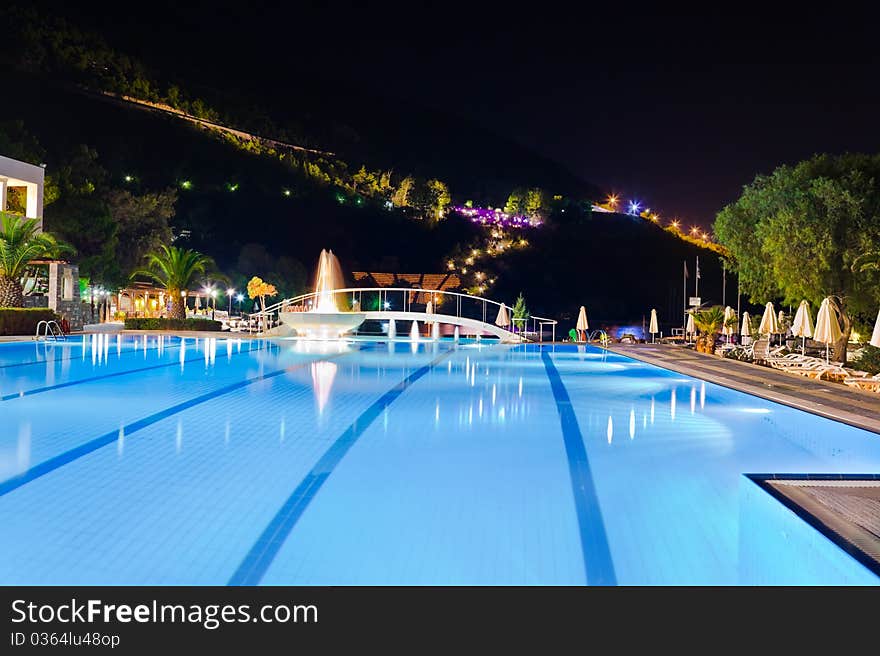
(678, 111)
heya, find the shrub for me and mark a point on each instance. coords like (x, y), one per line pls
(869, 360)
(23, 321)
(171, 324)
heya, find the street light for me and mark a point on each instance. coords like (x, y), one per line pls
(239, 298)
(214, 303)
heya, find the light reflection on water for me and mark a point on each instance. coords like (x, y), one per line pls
(472, 451)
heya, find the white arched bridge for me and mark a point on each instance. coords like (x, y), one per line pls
(472, 315)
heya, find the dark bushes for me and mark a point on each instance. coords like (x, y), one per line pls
(171, 324)
(23, 321)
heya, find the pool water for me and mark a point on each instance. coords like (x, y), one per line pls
(160, 460)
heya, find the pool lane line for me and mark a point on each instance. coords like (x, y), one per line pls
(78, 357)
(82, 381)
(598, 565)
(261, 555)
(56, 462)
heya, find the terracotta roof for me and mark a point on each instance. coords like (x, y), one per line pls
(439, 281)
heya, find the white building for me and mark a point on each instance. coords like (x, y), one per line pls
(16, 174)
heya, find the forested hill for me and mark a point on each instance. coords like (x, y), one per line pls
(122, 179)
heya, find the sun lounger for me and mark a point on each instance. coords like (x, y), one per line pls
(865, 382)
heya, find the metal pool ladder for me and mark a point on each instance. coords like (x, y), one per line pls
(50, 330)
(599, 335)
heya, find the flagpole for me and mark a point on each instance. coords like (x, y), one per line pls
(697, 279)
(723, 284)
(684, 296)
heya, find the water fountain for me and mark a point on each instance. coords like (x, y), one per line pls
(392, 329)
(325, 320)
(414, 331)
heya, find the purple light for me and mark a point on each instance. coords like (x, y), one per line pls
(497, 217)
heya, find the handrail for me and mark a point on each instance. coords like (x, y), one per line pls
(302, 297)
(51, 329)
(603, 337)
(269, 312)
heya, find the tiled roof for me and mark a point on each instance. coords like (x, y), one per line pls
(439, 281)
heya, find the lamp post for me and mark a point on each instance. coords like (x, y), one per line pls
(213, 302)
(229, 294)
(239, 298)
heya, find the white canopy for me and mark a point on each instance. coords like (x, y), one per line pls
(728, 314)
(653, 328)
(827, 328)
(746, 330)
(503, 319)
(769, 322)
(582, 323)
(875, 338)
(803, 322)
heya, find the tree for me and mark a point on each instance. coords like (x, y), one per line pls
(176, 269)
(141, 224)
(869, 261)
(797, 233)
(515, 202)
(258, 288)
(20, 242)
(536, 204)
(520, 311)
(289, 273)
(709, 322)
(400, 197)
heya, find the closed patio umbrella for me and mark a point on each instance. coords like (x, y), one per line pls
(690, 328)
(582, 324)
(653, 328)
(429, 309)
(746, 330)
(875, 337)
(726, 329)
(769, 322)
(198, 302)
(827, 328)
(503, 319)
(802, 326)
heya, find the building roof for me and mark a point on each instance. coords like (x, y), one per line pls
(440, 282)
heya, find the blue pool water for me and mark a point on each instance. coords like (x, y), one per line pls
(133, 460)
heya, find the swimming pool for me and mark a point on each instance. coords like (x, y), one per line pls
(160, 460)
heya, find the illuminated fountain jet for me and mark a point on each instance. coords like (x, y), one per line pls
(325, 320)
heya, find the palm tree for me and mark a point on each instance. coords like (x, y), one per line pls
(20, 242)
(867, 261)
(176, 269)
(709, 323)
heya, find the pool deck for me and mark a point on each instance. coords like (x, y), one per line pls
(833, 400)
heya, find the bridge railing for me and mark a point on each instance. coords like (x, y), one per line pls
(396, 299)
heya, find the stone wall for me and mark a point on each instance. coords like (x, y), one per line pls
(64, 293)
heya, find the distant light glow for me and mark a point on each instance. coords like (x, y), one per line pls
(496, 217)
(634, 207)
(186, 184)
